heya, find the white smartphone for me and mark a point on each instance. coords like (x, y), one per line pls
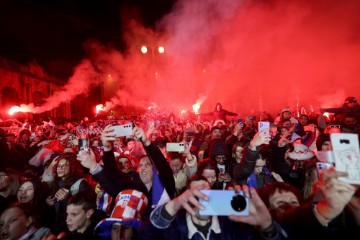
(264, 126)
(175, 147)
(323, 165)
(347, 155)
(224, 203)
(122, 130)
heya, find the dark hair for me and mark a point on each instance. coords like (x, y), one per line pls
(194, 178)
(269, 189)
(28, 211)
(206, 163)
(75, 171)
(40, 191)
(85, 198)
(24, 131)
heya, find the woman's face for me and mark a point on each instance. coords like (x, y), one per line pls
(13, 224)
(124, 164)
(282, 200)
(239, 152)
(210, 175)
(4, 181)
(63, 168)
(26, 192)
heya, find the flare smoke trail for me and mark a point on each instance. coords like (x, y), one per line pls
(248, 55)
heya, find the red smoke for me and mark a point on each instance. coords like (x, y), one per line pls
(247, 55)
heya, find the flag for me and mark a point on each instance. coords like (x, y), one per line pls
(294, 137)
(51, 123)
(159, 194)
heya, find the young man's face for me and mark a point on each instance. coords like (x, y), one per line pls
(259, 166)
(121, 232)
(303, 120)
(216, 134)
(273, 132)
(175, 165)
(201, 184)
(286, 115)
(77, 218)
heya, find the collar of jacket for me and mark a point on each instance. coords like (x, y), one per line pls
(215, 226)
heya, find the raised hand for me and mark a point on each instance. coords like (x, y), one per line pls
(108, 137)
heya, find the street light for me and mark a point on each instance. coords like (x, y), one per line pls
(144, 49)
(160, 49)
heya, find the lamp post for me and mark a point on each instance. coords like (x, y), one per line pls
(145, 49)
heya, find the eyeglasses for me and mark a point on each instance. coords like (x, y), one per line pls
(3, 177)
(334, 126)
(62, 166)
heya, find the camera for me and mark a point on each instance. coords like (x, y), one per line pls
(224, 203)
(122, 130)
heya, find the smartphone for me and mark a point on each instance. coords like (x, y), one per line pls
(224, 203)
(240, 121)
(221, 168)
(175, 147)
(122, 130)
(347, 155)
(84, 144)
(323, 165)
(309, 128)
(264, 126)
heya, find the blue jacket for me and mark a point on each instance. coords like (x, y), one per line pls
(178, 228)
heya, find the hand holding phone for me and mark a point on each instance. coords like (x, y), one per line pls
(224, 203)
(323, 166)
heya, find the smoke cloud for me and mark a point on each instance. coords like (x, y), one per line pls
(248, 55)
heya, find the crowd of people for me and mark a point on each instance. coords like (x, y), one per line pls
(84, 180)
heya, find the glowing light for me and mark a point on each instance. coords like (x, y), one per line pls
(183, 111)
(326, 114)
(14, 110)
(99, 108)
(196, 108)
(109, 75)
(144, 49)
(22, 108)
(161, 49)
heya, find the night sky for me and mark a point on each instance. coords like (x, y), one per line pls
(52, 32)
(249, 55)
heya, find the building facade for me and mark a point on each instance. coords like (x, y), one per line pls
(25, 84)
